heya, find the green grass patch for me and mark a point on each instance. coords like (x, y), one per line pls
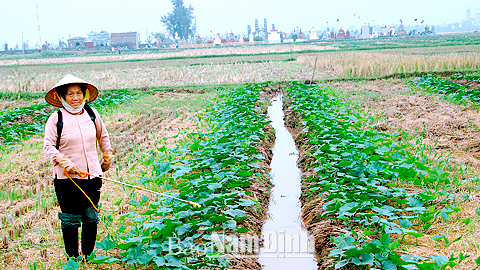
(14, 130)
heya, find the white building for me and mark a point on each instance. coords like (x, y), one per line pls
(383, 30)
(99, 39)
(313, 34)
(274, 36)
(392, 31)
(366, 32)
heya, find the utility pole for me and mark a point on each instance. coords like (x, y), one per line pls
(23, 45)
(38, 28)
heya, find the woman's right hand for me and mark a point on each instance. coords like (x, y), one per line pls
(72, 170)
(66, 163)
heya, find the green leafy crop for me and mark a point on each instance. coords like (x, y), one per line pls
(356, 171)
(216, 168)
(474, 77)
(450, 90)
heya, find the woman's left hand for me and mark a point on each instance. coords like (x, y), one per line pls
(107, 160)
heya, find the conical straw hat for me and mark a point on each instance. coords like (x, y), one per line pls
(53, 98)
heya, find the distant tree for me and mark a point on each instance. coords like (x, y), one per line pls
(181, 21)
(161, 36)
(257, 39)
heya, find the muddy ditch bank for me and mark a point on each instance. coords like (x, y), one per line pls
(319, 229)
(260, 190)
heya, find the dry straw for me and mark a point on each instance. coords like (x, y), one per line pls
(138, 76)
(363, 64)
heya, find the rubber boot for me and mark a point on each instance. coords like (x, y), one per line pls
(89, 236)
(89, 230)
(70, 239)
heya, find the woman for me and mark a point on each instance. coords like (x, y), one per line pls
(71, 136)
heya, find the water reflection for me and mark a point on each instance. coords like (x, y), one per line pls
(286, 244)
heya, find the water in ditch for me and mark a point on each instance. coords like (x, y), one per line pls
(286, 244)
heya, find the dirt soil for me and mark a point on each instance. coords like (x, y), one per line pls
(449, 128)
(6, 105)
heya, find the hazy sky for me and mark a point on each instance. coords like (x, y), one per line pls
(67, 18)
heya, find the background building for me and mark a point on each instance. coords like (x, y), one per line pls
(99, 39)
(366, 32)
(76, 42)
(274, 35)
(127, 39)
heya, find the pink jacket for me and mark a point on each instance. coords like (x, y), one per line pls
(78, 141)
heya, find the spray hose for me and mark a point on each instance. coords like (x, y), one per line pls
(83, 175)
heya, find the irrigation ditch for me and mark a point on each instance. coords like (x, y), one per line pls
(286, 244)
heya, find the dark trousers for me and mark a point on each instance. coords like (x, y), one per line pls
(78, 211)
(71, 199)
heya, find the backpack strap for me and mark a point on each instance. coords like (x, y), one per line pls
(59, 128)
(91, 114)
(60, 122)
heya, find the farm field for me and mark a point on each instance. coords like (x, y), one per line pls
(387, 140)
(440, 135)
(226, 65)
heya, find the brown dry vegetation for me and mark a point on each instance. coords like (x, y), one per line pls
(141, 75)
(451, 130)
(470, 84)
(434, 50)
(375, 64)
(18, 103)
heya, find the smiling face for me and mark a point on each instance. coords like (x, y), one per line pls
(74, 95)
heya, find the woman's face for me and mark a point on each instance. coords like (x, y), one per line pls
(74, 96)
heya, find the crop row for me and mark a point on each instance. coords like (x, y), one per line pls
(215, 169)
(475, 77)
(360, 175)
(20, 123)
(451, 90)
